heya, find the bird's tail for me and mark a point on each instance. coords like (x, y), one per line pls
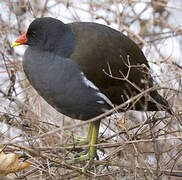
(160, 104)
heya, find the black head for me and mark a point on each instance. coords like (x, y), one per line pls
(43, 30)
(49, 34)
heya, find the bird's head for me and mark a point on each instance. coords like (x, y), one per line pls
(43, 33)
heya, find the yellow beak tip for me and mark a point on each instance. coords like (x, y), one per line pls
(15, 44)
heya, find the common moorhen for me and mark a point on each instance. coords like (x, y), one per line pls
(84, 69)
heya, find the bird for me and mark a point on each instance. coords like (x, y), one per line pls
(84, 69)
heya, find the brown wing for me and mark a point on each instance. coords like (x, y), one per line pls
(103, 52)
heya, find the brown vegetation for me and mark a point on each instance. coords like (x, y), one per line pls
(137, 145)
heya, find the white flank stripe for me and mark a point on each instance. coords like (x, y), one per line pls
(98, 93)
(104, 97)
(87, 82)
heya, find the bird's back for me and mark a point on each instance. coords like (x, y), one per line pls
(114, 63)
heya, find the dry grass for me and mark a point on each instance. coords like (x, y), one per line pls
(136, 145)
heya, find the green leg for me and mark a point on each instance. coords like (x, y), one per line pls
(90, 128)
(81, 140)
(93, 131)
(93, 141)
(81, 155)
(78, 139)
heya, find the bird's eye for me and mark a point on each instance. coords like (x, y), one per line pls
(33, 34)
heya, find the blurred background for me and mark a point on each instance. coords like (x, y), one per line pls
(135, 145)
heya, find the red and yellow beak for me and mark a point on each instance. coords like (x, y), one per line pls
(21, 40)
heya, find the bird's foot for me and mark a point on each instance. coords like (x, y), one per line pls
(77, 140)
(84, 169)
(91, 139)
(81, 159)
(77, 159)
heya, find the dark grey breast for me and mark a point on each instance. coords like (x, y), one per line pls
(61, 82)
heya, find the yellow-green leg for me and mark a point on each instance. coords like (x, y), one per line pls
(81, 140)
(93, 141)
(90, 128)
(93, 131)
(78, 139)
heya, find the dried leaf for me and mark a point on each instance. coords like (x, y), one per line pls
(9, 163)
